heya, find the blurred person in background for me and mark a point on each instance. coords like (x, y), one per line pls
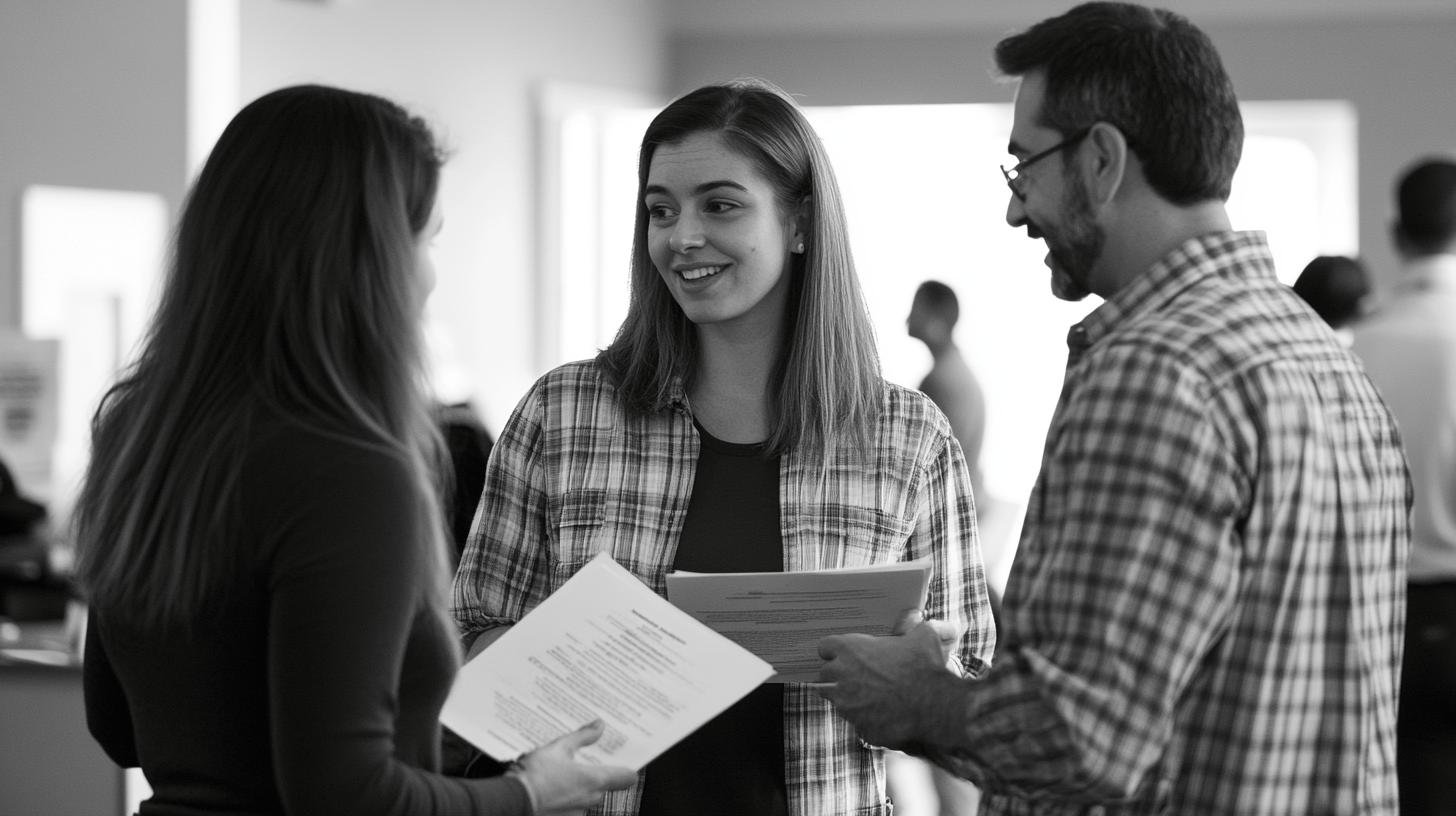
(1409, 349)
(1338, 288)
(950, 384)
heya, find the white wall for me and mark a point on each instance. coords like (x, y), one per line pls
(92, 94)
(879, 16)
(471, 69)
(95, 94)
(1399, 71)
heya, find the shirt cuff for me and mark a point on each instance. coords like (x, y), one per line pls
(515, 772)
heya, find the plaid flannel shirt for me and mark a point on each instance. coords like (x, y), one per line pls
(573, 474)
(1205, 612)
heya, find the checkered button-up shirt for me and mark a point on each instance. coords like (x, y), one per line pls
(574, 474)
(1205, 612)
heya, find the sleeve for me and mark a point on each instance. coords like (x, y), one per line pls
(504, 570)
(945, 532)
(347, 578)
(108, 716)
(1123, 585)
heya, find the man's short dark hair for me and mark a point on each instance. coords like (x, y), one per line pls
(940, 300)
(1152, 74)
(1426, 205)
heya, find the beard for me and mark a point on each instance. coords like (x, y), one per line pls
(1075, 251)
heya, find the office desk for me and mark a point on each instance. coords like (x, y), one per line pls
(49, 764)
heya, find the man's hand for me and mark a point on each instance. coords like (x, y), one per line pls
(950, 634)
(894, 688)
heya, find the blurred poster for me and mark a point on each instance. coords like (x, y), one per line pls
(90, 264)
(29, 386)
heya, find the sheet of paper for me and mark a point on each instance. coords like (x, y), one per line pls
(781, 616)
(604, 646)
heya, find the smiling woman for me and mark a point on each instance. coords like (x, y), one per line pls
(1297, 181)
(718, 239)
(738, 422)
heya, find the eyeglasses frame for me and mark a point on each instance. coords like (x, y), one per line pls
(1016, 171)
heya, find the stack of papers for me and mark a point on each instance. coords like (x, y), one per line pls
(781, 616)
(605, 646)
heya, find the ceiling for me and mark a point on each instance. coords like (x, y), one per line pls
(840, 17)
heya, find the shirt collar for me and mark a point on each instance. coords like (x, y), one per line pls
(1215, 253)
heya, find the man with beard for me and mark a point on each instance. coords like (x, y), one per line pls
(1206, 608)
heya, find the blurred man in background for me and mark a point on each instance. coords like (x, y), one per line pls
(1409, 349)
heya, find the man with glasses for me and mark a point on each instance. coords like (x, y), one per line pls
(1206, 607)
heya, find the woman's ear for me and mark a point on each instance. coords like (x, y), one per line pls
(1107, 170)
(799, 225)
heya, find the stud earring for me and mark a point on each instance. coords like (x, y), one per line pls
(800, 247)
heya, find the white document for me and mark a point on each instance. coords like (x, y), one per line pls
(781, 616)
(604, 646)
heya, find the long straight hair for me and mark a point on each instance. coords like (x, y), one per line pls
(828, 377)
(290, 291)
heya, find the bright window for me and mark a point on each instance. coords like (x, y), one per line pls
(925, 201)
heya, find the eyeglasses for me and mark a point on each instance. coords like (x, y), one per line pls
(1015, 173)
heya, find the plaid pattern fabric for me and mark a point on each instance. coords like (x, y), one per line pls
(1205, 612)
(574, 475)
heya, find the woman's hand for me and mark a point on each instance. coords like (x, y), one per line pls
(562, 786)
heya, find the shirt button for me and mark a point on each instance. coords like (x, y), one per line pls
(1077, 336)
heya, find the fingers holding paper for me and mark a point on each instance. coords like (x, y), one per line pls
(891, 688)
(560, 784)
(949, 632)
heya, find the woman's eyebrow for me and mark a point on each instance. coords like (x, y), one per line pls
(701, 188)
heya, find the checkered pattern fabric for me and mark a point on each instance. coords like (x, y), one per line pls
(1205, 612)
(574, 475)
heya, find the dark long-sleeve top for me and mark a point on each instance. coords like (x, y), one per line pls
(315, 687)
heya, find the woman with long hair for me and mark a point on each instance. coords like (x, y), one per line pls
(257, 533)
(738, 422)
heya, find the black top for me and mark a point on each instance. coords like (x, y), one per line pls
(469, 445)
(734, 764)
(317, 686)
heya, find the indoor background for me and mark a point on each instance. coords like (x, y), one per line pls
(107, 108)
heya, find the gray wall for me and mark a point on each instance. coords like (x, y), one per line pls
(472, 69)
(1400, 74)
(92, 94)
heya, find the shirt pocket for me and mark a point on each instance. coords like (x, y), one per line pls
(576, 520)
(583, 526)
(868, 535)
